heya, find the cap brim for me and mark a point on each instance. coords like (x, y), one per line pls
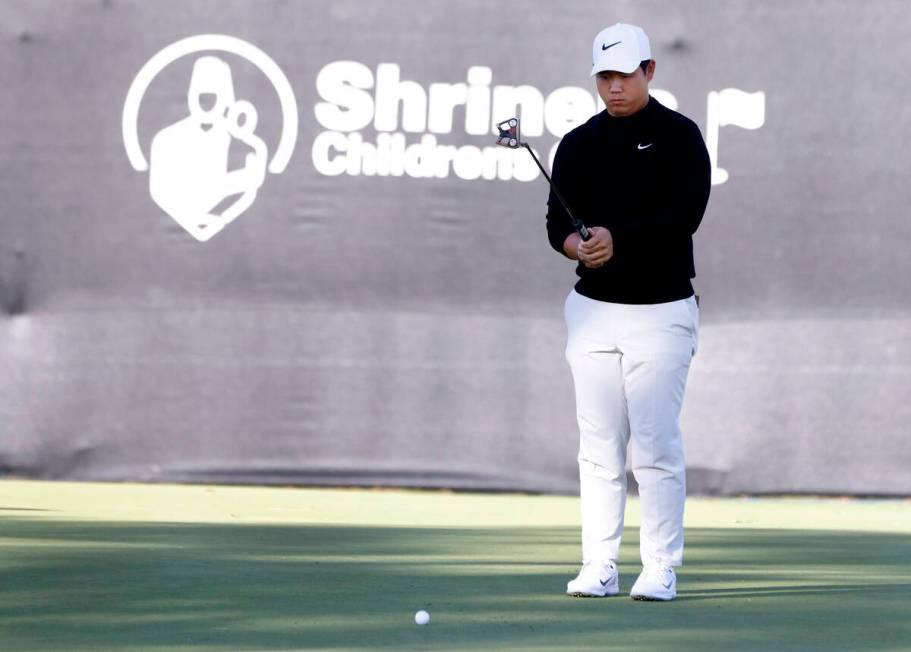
(615, 65)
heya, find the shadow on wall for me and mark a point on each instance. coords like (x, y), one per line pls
(12, 280)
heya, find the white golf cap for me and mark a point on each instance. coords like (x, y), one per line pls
(620, 47)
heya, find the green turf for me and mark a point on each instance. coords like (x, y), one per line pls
(133, 567)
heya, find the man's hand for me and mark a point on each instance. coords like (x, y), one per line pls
(593, 253)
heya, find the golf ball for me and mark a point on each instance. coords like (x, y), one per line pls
(421, 617)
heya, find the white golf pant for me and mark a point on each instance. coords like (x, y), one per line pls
(629, 365)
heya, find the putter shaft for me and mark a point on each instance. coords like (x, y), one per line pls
(577, 223)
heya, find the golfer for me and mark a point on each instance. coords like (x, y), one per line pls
(638, 173)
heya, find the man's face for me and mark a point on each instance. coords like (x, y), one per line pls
(624, 93)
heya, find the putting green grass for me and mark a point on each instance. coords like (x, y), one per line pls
(156, 567)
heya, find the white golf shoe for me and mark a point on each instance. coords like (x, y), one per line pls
(595, 580)
(655, 582)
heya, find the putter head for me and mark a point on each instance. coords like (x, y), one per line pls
(509, 133)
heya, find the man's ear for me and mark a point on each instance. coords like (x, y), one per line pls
(650, 70)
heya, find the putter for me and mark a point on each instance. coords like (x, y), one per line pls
(509, 137)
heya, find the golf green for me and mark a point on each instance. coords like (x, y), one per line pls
(158, 567)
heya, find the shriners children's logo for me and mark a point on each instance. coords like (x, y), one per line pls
(188, 170)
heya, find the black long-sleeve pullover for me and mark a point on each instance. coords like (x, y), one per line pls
(646, 178)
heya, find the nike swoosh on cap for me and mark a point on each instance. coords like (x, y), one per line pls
(608, 47)
(641, 146)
